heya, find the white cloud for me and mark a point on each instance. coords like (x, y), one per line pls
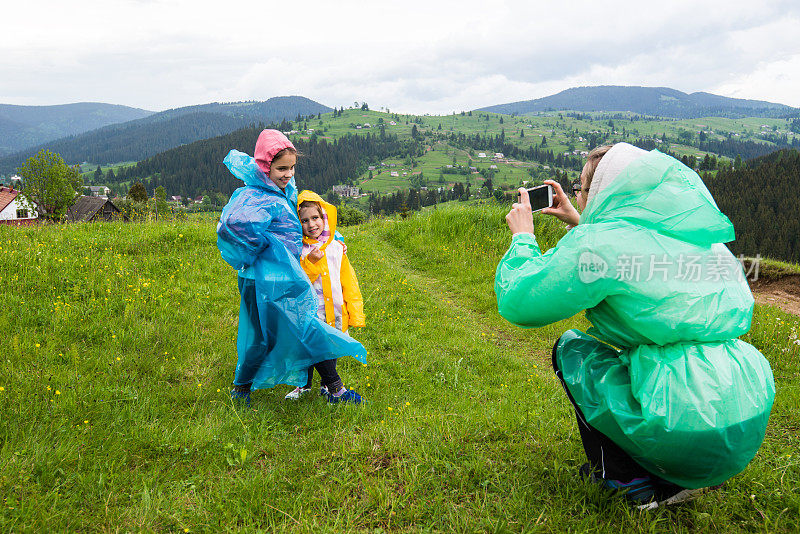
(417, 56)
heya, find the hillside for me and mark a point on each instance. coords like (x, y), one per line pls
(760, 200)
(119, 347)
(139, 139)
(443, 150)
(653, 101)
(27, 126)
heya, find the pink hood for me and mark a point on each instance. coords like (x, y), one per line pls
(269, 143)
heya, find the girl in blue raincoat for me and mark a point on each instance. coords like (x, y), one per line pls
(668, 400)
(259, 235)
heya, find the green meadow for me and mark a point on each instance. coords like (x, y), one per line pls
(118, 350)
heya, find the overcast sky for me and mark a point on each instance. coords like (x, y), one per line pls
(420, 56)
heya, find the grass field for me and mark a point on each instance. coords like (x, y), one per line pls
(118, 345)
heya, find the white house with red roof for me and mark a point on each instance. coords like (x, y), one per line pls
(15, 209)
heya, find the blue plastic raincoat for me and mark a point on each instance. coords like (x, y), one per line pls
(677, 391)
(259, 235)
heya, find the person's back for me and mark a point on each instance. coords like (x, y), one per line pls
(683, 397)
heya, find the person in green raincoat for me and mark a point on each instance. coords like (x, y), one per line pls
(668, 400)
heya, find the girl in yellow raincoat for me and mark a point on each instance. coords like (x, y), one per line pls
(324, 260)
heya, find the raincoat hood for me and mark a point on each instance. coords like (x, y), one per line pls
(246, 169)
(329, 214)
(269, 143)
(657, 192)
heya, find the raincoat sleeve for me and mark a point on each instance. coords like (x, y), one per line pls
(351, 294)
(242, 235)
(535, 289)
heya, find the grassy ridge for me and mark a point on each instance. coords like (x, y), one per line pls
(114, 414)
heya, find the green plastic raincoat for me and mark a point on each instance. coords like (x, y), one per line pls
(677, 391)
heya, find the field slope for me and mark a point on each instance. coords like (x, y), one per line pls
(118, 346)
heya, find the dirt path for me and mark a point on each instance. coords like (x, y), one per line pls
(783, 292)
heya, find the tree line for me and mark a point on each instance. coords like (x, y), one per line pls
(197, 168)
(760, 200)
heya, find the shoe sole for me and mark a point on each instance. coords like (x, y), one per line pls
(682, 496)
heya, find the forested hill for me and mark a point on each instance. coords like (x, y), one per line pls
(26, 126)
(762, 202)
(140, 139)
(197, 168)
(655, 101)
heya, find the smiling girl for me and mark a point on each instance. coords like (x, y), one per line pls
(324, 260)
(259, 235)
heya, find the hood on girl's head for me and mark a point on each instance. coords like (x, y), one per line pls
(269, 143)
(329, 211)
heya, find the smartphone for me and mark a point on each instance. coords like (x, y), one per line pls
(541, 197)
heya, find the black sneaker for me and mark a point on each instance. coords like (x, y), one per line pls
(639, 492)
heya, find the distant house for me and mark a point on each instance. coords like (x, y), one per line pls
(392, 123)
(98, 190)
(93, 209)
(492, 166)
(15, 209)
(177, 199)
(199, 200)
(394, 173)
(499, 155)
(481, 154)
(371, 168)
(367, 125)
(346, 190)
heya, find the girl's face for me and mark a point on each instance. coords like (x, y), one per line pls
(282, 169)
(312, 222)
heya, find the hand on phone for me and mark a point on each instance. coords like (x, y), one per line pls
(520, 218)
(562, 209)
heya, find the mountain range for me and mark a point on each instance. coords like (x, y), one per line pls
(655, 101)
(25, 126)
(105, 133)
(141, 138)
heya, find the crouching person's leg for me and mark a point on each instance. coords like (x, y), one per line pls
(607, 462)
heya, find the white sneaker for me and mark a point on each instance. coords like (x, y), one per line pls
(296, 393)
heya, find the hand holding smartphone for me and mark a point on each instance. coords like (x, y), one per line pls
(541, 197)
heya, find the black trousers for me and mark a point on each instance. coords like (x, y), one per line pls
(328, 375)
(606, 458)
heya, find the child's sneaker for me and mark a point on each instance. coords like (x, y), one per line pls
(240, 398)
(349, 396)
(296, 393)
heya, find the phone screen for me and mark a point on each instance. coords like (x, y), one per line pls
(540, 197)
